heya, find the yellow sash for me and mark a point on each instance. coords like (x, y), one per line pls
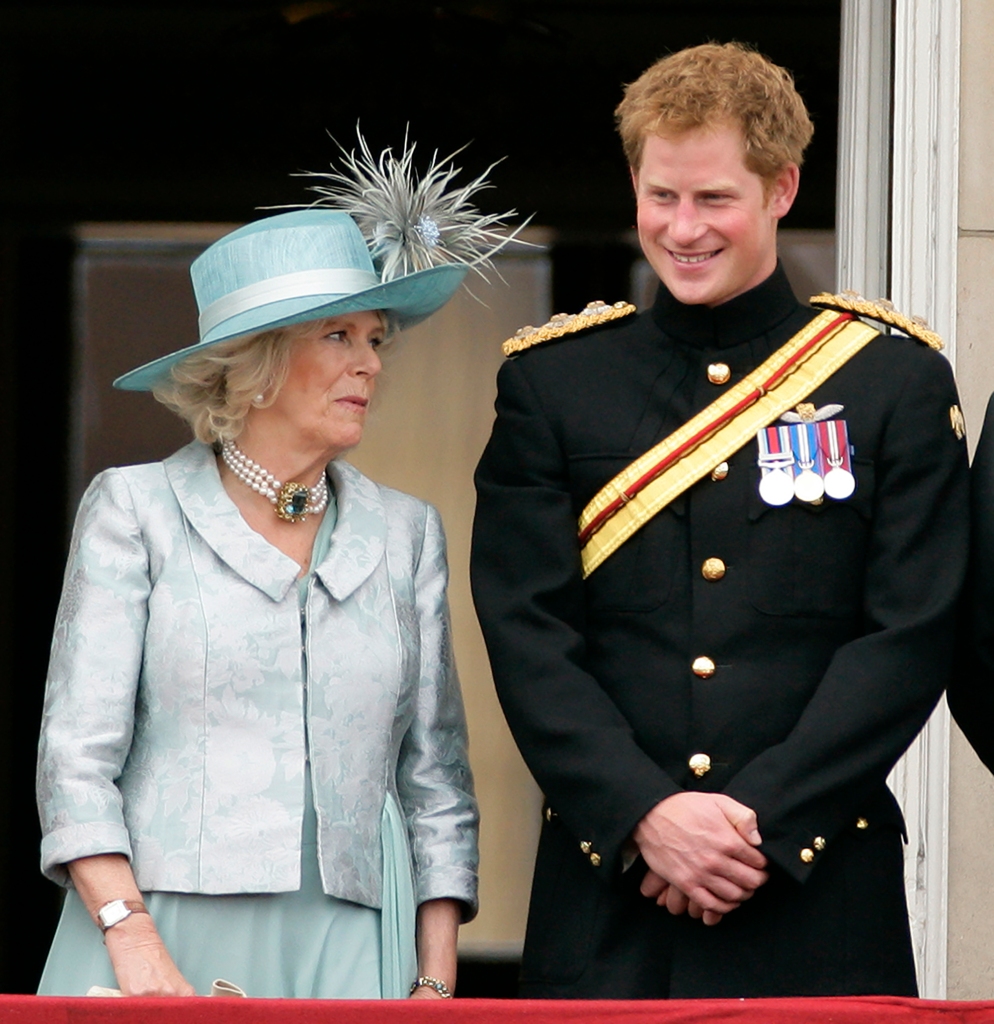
(625, 504)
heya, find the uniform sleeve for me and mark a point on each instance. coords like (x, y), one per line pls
(879, 689)
(528, 591)
(93, 676)
(971, 690)
(433, 777)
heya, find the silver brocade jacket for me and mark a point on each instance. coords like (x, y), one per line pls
(174, 724)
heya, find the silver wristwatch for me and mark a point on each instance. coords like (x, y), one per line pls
(116, 911)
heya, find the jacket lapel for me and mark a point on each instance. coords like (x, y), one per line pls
(357, 544)
(358, 541)
(193, 476)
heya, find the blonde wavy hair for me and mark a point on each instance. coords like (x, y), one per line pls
(213, 390)
(714, 84)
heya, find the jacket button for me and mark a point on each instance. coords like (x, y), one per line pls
(719, 373)
(862, 823)
(550, 814)
(819, 843)
(703, 667)
(595, 859)
(720, 471)
(807, 855)
(700, 765)
(586, 846)
(713, 569)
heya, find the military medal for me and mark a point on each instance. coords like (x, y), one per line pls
(808, 484)
(776, 460)
(833, 440)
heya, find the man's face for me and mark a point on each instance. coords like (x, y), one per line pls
(705, 224)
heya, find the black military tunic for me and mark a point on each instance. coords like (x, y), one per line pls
(829, 627)
(971, 690)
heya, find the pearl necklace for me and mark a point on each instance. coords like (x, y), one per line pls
(293, 501)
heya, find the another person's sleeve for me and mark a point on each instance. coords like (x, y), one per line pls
(971, 689)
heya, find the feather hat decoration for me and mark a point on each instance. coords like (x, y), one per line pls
(413, 221)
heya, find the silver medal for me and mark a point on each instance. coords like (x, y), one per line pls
(808, 486)
(839, 483)
(777, 487)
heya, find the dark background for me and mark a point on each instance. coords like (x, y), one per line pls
(199, 113)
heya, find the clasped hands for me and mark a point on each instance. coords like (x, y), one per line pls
(701, 850)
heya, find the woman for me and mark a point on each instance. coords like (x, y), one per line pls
(253, 759)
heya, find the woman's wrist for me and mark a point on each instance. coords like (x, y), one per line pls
(431, 984)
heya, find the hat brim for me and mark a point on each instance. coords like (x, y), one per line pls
(410, 299)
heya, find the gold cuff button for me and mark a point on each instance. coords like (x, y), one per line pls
(819, 843)
(703, 667)
(720, 471)
(807, 855)
(713, 569)
(719, 373)
(586, 846)
(595, 859)
(700, 765)
(862, 823)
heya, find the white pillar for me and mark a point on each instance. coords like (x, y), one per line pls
(862, 222)
(918, 116)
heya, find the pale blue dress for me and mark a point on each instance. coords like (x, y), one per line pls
(302, 944)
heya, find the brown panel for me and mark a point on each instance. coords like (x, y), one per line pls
(133, 302)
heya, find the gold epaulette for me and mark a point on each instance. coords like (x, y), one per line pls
(878, 309)
(594, 314)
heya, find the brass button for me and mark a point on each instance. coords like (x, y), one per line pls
(700, 765)
(807, 855)
(703, 667)
(549, 814)
(586, 846)
(595, 859)
(719, 373)
(713, 569)
(819, 843)
(862, 823)
(720, 471)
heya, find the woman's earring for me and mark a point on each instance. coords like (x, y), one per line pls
(258, 400)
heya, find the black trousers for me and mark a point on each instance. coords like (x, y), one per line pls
(844, 932)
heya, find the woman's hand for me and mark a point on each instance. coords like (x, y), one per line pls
(141, 962)
(438, 928)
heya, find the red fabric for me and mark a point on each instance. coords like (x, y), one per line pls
(851, 1010)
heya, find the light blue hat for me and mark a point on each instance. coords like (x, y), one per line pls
(288, 269)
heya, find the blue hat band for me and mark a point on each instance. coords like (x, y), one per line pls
(340, 281)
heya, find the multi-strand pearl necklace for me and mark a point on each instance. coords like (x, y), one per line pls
(293, 501)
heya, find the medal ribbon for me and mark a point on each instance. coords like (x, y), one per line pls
(645, 487)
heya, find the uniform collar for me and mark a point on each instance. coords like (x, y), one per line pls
(743, 318)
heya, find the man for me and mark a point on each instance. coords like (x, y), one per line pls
(712, 712)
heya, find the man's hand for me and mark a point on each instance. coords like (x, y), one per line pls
(703, 847)
(676, 902)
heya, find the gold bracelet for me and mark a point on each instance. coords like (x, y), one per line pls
(426, 982)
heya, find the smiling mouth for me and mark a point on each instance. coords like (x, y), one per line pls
(697, 257)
